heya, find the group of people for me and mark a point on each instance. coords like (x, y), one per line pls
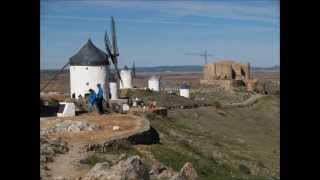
(96, 99)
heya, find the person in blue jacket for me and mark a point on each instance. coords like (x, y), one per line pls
(100, 99)
(92, 99)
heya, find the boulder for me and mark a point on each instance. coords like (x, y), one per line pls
(187, 172)
(72, 126)
(129, 169)
(48, 150)
(134, 169)
(156, 169)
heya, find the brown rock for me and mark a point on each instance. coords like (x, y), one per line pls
(129, 169)
(187, 172)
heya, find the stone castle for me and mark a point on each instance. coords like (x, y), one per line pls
(227, 74)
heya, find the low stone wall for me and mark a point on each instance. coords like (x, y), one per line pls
(145, 135)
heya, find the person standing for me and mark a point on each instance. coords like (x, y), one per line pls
(92, 100)
(100, 99)
(79, 102)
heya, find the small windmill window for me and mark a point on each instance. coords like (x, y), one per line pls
(87, 83)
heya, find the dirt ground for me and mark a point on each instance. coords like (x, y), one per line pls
(67, 165)
(127, 123)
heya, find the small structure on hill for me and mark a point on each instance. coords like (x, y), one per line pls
(126, 76)
(66, 109)
(154, 83)
(113, 86)
(227, 74)
(184, 90)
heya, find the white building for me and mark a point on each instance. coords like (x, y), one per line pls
(126, 77)
(184, 90)
(113, 88)
(154, 83)
(88, 68)
(66, 109)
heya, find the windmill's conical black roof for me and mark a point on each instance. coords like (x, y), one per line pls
(89, 55)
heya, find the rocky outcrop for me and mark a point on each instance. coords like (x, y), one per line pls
(134, 169)
(129, 169)
(159, 171)
(187, 172)
(48, 149)
(113, 145)
(72, 126)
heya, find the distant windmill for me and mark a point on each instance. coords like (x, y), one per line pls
(205, 55)
(112, 49)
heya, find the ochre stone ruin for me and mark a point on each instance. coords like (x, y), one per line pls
(228, 74)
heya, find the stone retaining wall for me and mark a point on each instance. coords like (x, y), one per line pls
(144, 135)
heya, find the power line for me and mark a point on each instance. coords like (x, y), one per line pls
(54, 77)
(205, 55)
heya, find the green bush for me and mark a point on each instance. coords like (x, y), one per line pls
(53, 102)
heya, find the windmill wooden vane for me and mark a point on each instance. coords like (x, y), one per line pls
(112, 49)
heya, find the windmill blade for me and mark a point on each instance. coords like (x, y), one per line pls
(114, 37)
(107, 44)
(115, 51)
(108, 48)
(117, 71)
(54, 77)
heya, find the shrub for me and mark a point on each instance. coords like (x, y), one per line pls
(217, 104)
(93, 159)
(53, 102)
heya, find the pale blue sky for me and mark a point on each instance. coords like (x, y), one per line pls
(157, 33)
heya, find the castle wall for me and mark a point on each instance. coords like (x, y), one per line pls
(223, 71)
(209, 71)
(237, 69)
(226, 73)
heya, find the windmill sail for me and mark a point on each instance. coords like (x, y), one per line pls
(114, 38)
(112, 51)
(108, 46)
